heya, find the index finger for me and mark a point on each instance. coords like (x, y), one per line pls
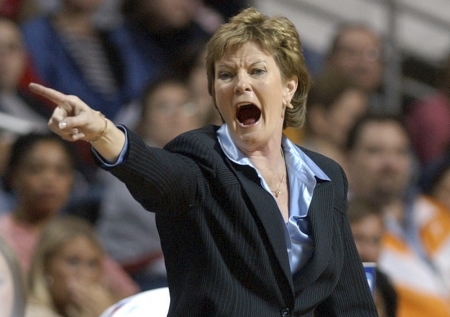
(51, 94)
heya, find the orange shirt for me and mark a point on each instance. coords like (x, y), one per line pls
(423, 286)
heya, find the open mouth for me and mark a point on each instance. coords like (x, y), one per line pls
(248, 114)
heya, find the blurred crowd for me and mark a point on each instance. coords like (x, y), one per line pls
(72, 239)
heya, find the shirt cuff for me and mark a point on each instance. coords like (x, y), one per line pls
(106, 165)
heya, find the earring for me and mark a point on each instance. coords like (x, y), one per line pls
(290, 106)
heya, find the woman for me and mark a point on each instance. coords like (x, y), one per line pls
(12, 288)
(67, 272)
(41, 175)
(250, 224)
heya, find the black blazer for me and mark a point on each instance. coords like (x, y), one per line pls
(223, 237)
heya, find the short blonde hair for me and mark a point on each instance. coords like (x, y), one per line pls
(276, 35)
(53, 238)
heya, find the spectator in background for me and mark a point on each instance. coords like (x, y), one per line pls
(334, 103)
(12, 288)
(70, 53)
(41, 174)
(367, 225)
(19, 111)
(169, 31)
(126, 229)
(428, 120)
(416, 245)
(14, 99)
(67, 276)
(380, 161)
(357, 50)
(366, 221)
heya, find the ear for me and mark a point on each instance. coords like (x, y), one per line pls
(289, 90)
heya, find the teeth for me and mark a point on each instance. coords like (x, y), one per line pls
(244, 104)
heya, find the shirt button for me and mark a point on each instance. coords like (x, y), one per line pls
(285, 312)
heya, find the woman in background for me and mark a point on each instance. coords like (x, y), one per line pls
(41, 175)
(67, 275)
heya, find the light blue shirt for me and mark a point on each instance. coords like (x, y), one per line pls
(302, 174)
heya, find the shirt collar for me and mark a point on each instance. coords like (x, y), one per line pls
(296, 159)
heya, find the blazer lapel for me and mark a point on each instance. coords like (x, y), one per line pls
(267, 210)
(321, 222)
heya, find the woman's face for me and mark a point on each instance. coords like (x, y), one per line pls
(43, 180)
(367, 234)
(78, 261)
(169, 114)
(6, 289)
(252, 96)
(12, 56)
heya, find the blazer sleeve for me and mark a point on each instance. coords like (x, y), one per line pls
(157, 178)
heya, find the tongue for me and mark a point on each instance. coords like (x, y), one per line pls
(248, 114)
(249, 121)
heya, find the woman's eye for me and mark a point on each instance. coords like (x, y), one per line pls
(73, 261)
(224, 76)
(258, 71)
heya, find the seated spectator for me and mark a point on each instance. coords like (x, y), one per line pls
(367, 225)
(70, 53)
(126, 229)
(20, 112)
(168, 31)
(41, 175)
(12, 287)
(334, 103)
(357, 51)
(428, 120)
(416, 245)
(14, 99)
(67, 277)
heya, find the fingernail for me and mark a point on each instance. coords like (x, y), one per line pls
(62, 125)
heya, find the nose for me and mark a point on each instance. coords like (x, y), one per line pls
(242, 83)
